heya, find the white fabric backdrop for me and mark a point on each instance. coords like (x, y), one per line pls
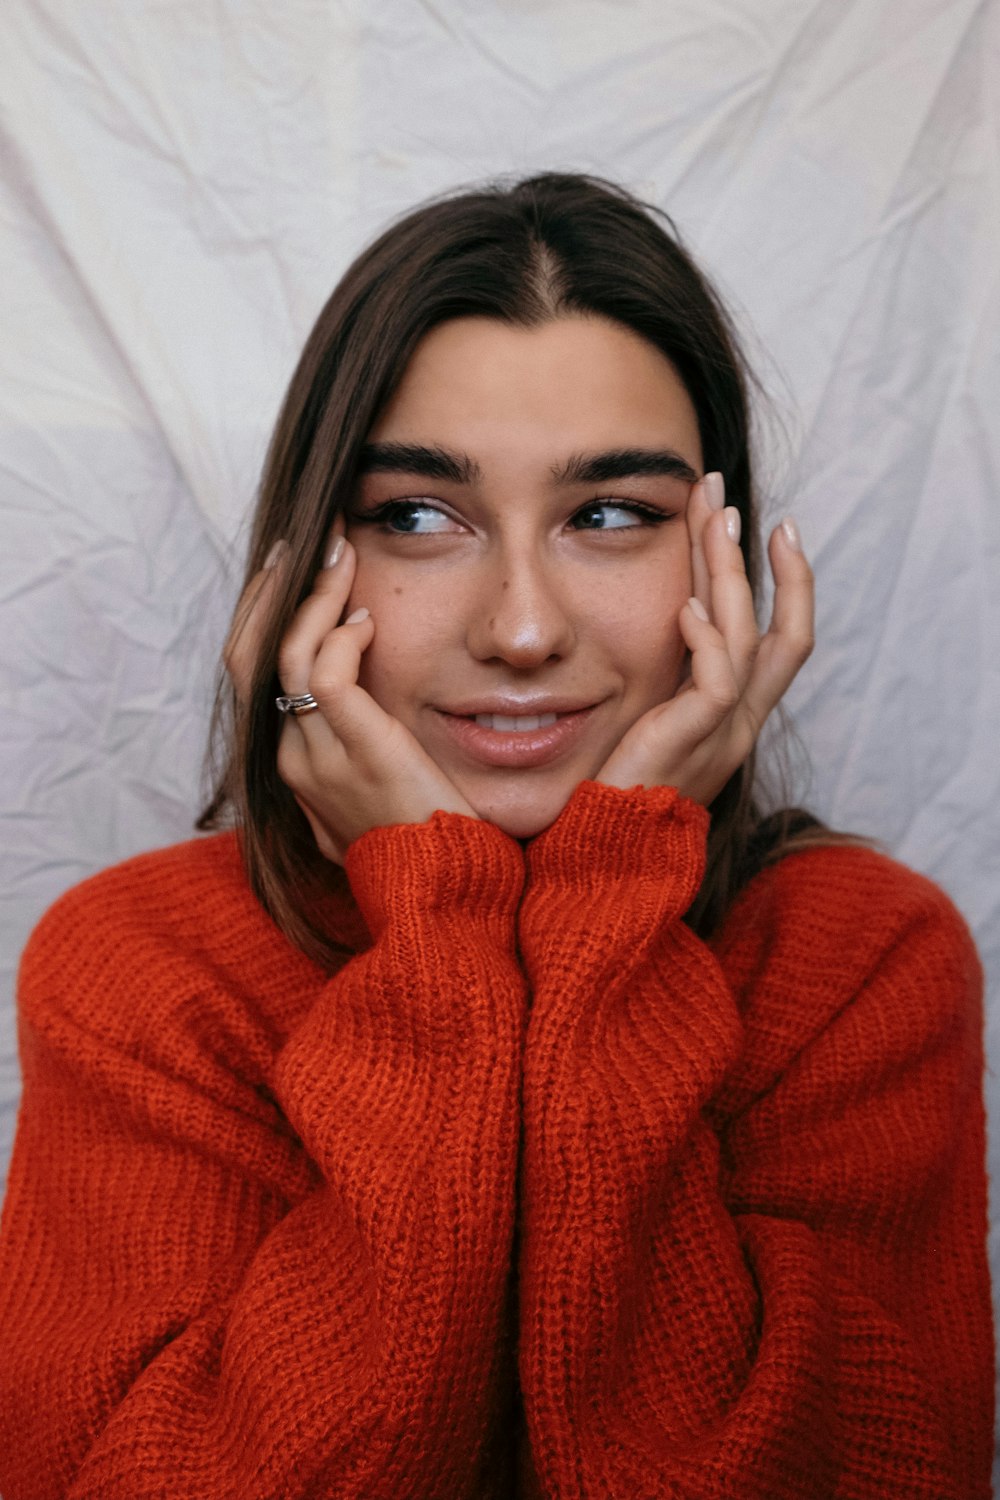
(183, 184)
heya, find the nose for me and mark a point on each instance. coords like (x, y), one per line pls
(519, 614)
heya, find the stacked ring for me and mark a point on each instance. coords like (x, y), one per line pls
(296, 703)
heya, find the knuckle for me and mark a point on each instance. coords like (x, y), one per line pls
(803, 644)
(723, 696)
(326, 690)
(287, 660)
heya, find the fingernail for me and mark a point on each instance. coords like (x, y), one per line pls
(715, 490)
(733, 523)
(698, 608)
(336, 553)
(792, 536)
(359, 614)
(276, 551)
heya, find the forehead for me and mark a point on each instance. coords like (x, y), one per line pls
(502, 392)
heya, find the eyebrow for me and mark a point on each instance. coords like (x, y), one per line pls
(434, 462)
(416, 458)
(624, 463)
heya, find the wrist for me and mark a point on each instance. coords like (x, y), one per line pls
(608, 881)
(449, 863)
(623, 831)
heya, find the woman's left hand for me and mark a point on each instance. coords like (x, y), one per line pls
(701, 736)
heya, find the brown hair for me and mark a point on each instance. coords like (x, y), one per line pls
(552, 244)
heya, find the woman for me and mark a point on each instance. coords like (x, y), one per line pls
(505, 1108)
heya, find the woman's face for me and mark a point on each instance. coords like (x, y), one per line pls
(522, 545)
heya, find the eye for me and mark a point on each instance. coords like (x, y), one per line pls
(616, 515)
(407, 517)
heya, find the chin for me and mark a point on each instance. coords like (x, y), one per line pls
(519, 816)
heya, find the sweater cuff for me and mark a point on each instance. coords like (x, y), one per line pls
(614, 834)
(450, 863)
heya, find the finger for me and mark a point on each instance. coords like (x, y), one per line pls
(732, 609)
(713, 691)
(791, 632)
(792, 614)
(711, 664)
(316, 617)
(337, 530)
(242, 648)
(344, 707)
(707, 496)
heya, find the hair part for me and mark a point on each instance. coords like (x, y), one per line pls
(549, 246)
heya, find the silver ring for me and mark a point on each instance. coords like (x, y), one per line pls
(296, 703)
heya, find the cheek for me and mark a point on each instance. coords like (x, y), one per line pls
(640, 626)
(408, 639)
(652, 665)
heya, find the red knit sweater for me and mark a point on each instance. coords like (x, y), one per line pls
(538, 1195)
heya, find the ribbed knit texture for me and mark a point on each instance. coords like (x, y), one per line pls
(259, 1239)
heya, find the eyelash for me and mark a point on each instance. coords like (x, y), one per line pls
(382, 514)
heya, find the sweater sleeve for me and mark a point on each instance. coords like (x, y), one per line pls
(753, 1257)
(231, 1267)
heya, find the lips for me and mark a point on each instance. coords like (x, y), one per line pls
(488, 736)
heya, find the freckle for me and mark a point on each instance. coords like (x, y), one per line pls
(398, 589)
(506, 583)
(493, 622)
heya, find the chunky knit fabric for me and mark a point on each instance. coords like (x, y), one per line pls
(538, 1195)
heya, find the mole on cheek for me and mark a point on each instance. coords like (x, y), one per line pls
(506, 584)
(397, 589)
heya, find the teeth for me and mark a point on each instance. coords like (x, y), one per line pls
(509, 724)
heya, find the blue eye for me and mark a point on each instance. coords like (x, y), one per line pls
(409, 517)
(616, 515)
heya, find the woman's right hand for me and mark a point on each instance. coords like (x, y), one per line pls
(350, 765)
